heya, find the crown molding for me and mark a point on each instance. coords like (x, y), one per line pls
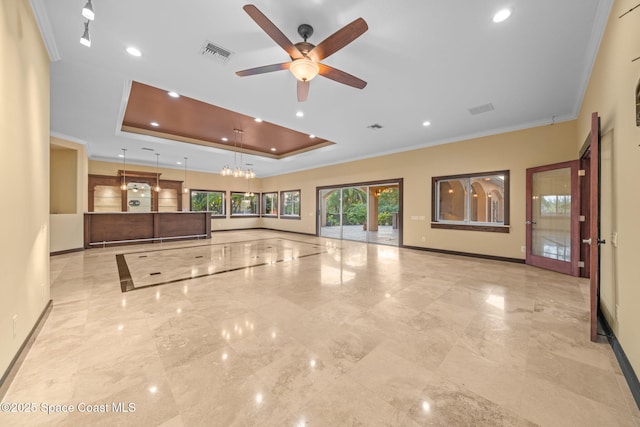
(46, 31)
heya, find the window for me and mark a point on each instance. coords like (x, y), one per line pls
(290, 204)
(270, 204)
(244, 204)
(555, 205)
(471, 201)
(212, 201)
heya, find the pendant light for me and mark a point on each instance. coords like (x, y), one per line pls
(238, 172)
(186, 189)
(157, 189)
(123, 186)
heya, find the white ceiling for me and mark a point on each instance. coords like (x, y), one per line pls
(423, 60)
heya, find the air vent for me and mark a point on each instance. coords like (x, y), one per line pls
(212, 51)
(374, 126)
(481, 109)
(148, 149)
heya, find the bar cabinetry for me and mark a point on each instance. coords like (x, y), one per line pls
(107, 228)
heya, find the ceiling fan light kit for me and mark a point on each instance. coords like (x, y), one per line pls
(305, 57)
(304, 69)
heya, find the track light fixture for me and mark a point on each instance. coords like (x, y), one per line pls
(87, 11)
(85, 40)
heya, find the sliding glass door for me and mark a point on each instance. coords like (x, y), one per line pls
(368, 212)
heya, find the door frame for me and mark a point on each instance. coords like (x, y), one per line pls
(571, 267)
(590, 154)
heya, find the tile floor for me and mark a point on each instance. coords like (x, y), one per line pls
(349, 335)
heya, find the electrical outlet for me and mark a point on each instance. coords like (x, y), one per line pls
(424, 239)
(614, 239)
(15, 325)
(523, 249)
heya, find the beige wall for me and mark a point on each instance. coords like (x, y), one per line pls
(63, 181)
(611, 94)
(24, 163)
(514, 151)
(69, 166)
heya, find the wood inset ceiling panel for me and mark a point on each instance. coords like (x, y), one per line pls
(196, 122)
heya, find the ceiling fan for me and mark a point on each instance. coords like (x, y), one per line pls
(305, 57)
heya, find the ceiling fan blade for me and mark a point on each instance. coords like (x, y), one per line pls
(341, 77)
(303, 90)
(272, 31)
(338, 40)
(264, 69)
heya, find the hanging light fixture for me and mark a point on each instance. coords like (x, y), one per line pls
(249, 193)
(186, 189)
(85, 40)
(157, 189)
(123, 186)
(238, 172)
(87, 11)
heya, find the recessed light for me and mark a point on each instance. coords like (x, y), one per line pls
(133, 51)
(120, 155)
(312, 136)
(258, 119)
(154, 124)
(273, 149)
(174, 94)
(300, 114)
(225, 139)
(501, 15)
(178, 163)
(426, 123)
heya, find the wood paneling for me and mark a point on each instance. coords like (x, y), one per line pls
(116, 228)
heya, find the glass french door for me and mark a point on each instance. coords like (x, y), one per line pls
(553, 205)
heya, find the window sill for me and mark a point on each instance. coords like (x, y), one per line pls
(245, 216)
(290, 217)
(469, 227)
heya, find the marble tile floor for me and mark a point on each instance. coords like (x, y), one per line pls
(357, 335)
(385, 235)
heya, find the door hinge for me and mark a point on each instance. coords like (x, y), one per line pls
(582, 172)
(582, 218)
(581, 264)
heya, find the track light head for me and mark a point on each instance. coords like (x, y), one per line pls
(85, 40)
(87, 11)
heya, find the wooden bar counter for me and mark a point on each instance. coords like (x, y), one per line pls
(108, 228)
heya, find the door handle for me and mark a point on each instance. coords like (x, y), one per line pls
(530, 222)
(599, 241)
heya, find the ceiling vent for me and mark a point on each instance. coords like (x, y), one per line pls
(212, 51)
(481, 109)
(148, 149)
(374, 126)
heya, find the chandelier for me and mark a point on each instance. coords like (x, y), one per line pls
(237, 171)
